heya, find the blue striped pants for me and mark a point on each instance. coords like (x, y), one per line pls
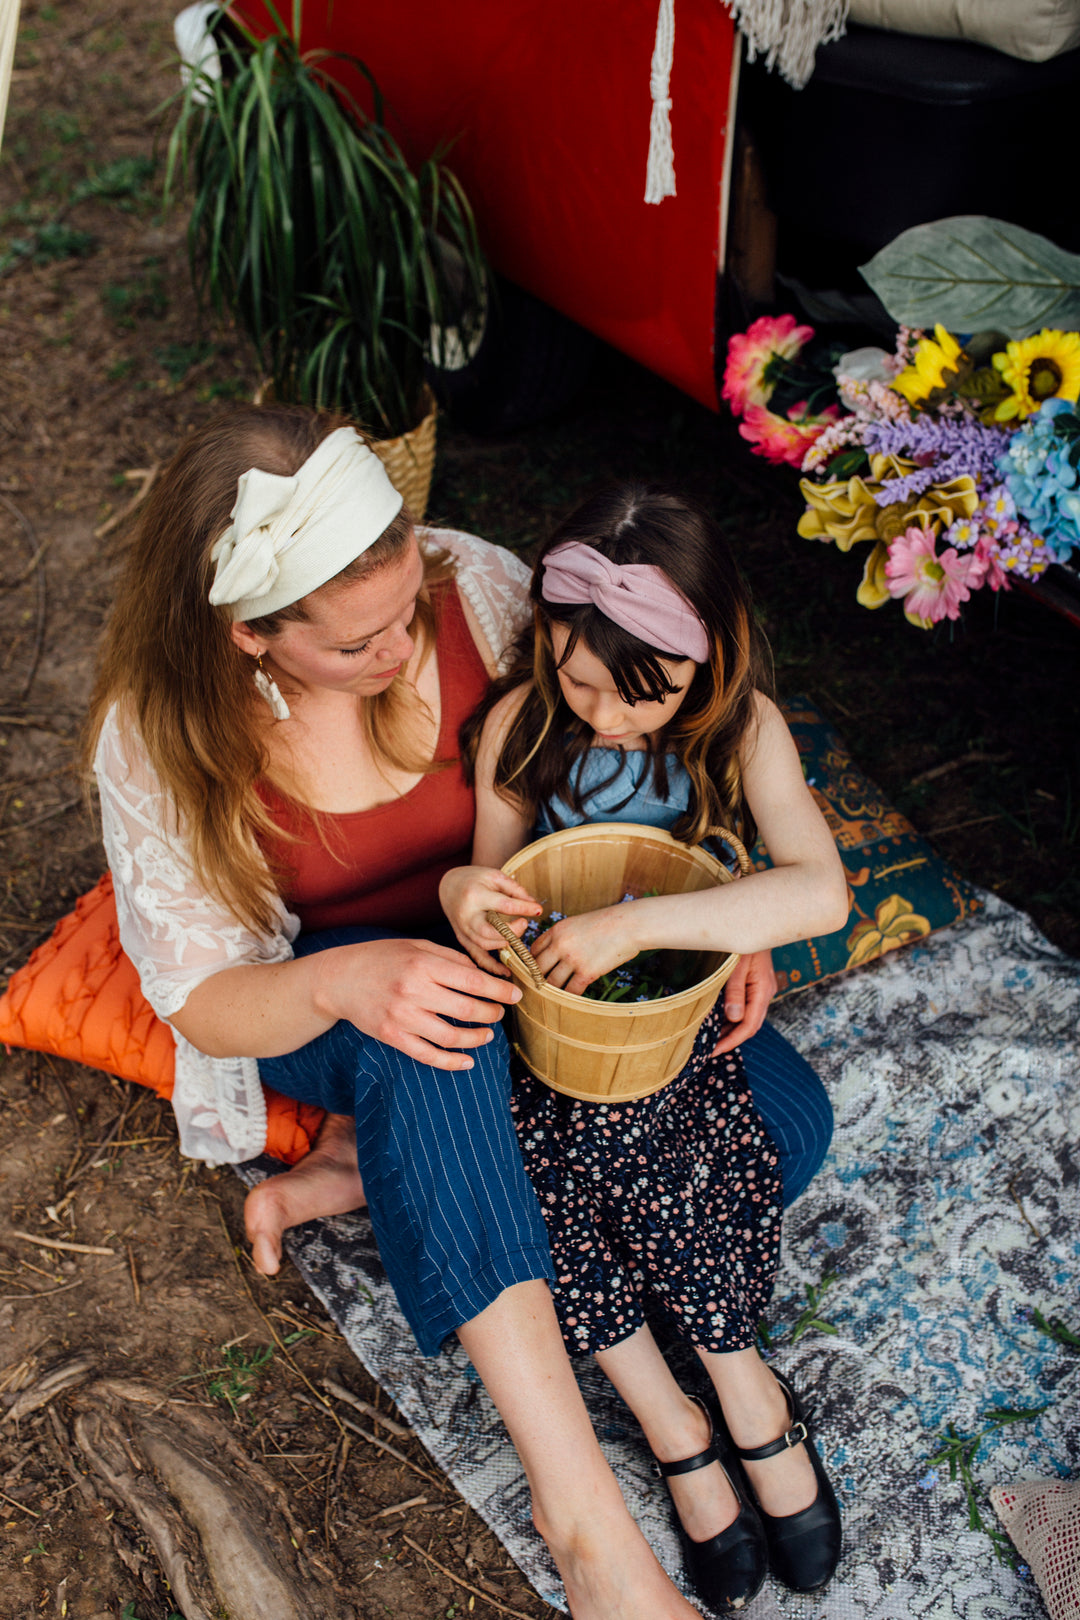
(453, 1212)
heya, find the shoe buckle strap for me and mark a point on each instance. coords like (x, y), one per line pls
(687, 1465)
(794, 1437)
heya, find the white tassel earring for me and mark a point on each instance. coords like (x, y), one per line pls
(268, 689)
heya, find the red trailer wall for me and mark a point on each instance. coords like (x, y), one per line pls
(548, 109)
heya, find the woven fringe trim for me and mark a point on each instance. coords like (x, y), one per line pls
(660, 170)
(787, 33)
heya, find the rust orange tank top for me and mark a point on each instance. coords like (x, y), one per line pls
(383, 866)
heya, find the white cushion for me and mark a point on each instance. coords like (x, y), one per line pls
(1031, 29)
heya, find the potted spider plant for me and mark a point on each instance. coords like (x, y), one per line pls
(345, 267)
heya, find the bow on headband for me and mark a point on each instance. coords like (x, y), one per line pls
(288, 536)
(637, 596)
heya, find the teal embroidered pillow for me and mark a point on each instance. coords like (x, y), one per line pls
(900, 889)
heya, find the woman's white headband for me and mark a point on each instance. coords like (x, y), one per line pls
(288, 536)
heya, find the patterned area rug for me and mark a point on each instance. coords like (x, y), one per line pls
(949, 1212)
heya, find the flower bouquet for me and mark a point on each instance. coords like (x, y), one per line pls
(958, 462)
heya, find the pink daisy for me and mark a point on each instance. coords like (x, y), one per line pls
(933, 586)
(749, 354)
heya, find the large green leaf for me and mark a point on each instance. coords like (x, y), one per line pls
(971, 273)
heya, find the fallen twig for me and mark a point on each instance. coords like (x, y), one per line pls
(20, 1505)
(475, 1590)
(974, 758)
(56, 1243)
(134, 1274)
(957, 826)
(366, 1408)
(398, 1507)
(380, 1444)
(46, 815)
(147, 476)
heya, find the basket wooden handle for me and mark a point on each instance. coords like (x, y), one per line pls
(746, 866)
(524, 956)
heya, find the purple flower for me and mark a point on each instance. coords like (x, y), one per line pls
(944, 449)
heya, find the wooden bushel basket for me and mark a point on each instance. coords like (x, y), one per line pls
(603, 1051)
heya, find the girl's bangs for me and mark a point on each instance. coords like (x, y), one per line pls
(633, 665)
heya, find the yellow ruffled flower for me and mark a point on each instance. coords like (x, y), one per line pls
(873, 591)
(894, 924)
(845, 510)
(1045, 366)
(937, 361)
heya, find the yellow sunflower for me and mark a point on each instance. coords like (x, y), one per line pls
(938, 360)
(1045, 366)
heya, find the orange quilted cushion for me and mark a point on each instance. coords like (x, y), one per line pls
(78, 997)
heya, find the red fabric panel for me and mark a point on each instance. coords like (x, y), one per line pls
(548, 109)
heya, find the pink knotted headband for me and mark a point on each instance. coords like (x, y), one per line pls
(637, 596)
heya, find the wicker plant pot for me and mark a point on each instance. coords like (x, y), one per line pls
(410, 460)
(611, 1051)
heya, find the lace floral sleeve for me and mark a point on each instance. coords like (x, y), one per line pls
(176, 937)
(495, 582)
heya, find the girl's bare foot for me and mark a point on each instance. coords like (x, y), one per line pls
(326, 1182)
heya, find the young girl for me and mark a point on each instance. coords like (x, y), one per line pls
(638, 695)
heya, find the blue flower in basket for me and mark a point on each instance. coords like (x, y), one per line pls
(1042, 470)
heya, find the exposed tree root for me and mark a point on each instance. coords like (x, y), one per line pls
(219, 1526)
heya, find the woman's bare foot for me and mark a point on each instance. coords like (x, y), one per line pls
(610, 1573)
(326, 1182)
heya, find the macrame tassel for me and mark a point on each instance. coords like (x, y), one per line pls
(660, 172)
(787, 33)
(268, 688)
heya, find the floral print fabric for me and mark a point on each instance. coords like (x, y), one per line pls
(672, 1201)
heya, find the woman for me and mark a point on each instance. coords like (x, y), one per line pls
(275, 742)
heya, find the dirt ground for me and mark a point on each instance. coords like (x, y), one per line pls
(116, 1255)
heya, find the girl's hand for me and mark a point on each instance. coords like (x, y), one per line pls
(746, 1000)
(580, 949)
(467, 892)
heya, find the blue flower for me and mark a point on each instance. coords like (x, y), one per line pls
(1042, 479)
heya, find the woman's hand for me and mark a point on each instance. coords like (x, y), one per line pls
(467, 892)
(403, 991)
(746, 1000)
(580, 949)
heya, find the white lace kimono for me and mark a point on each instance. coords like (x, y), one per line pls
(177, 937)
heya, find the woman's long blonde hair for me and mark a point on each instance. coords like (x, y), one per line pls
(171, 666)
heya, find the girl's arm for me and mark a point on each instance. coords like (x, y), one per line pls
(803, 894)
(502, 828)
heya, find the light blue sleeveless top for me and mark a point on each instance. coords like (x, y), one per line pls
(629, 796)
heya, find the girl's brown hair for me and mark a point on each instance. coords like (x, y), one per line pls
(547, 743)
(170, 664)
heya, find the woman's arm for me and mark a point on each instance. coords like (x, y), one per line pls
(402, 991)
(803, 894)
(235, 993)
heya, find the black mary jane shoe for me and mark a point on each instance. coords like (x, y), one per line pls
(727, 1570)
(804, 1547)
